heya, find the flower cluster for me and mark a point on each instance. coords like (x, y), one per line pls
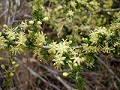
(102, 40)
(64, 55)
(17, 40)
(12, 40)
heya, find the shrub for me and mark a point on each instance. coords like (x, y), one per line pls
(82, 28)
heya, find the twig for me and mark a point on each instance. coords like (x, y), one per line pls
(77, 47)
(110, 10)
(114, 83)
(55, 74)
(13, 17)
(8, 13)
(63, 82)
(47, 47)
(35, 74)
(111, 58)
(114, 59)
(3, 12)
(48, 69)
(107, 67)
(60, 30)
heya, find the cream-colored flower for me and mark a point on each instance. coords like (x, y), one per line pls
(16, 49)
(73, 3)
(106, 48)
(70, 13)
(11, 34)
(94, 37)
(39, 22)
(31, 22)
(21, 39)
(59, 60)
(77, 60)
(40, 39)
(45, 18)
(24, 25)
(62, 47)
(2, 42)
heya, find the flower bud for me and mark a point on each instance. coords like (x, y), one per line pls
(11, 74)
(31, 22)
(1, 58)
(50, 51)
(65, 74)
(39, 23)
(13, 62)
(85, 40)
(75, 65)
(5, 26)
(3, 66)
(70, 62)
(45, 19)
(16, 65)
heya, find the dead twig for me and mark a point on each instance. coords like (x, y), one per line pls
(55, 74)
(107, 67)
(4, 12)
(35, 74)
(14, 14)
(8, 13)
(63, 82)
(110, 10)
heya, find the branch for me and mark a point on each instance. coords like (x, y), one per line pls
(107, 67)
(111, 58)
(3, 12)
(49, 70)
(14, 14)
(8, 13)
(63, 82)
(110, 10)
(35, 74)
(47, 47)
(57, 77)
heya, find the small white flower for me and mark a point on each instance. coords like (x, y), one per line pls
(70, 13)
(31, 22)
(73, 3)
(45, 18)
